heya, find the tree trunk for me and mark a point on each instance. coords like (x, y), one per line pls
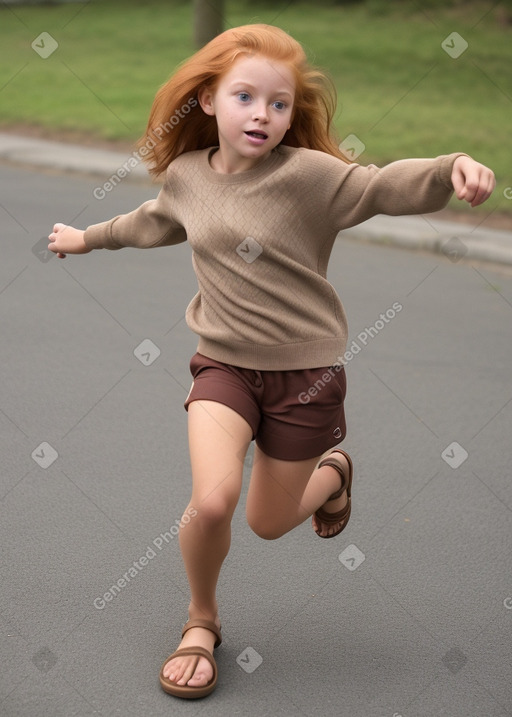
(208, 20)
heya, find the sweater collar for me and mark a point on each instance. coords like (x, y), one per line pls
(265, 167)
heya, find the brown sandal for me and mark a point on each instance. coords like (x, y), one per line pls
(343, 515)
(184, 690)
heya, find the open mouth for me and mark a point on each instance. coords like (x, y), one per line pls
(257, 134)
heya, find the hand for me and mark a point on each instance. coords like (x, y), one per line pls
(472, 181)
(67, 240)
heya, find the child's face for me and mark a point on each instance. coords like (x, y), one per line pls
(253, 104)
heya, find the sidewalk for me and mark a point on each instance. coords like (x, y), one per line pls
(455, 240)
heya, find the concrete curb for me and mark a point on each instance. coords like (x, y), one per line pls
(454, 240)
(48, 154)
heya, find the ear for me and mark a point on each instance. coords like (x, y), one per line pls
(205, 97)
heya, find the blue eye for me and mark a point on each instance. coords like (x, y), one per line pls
(244, 96)
(279, 105)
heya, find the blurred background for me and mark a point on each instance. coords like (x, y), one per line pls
(413, 78)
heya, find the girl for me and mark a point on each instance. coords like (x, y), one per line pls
(255, 182)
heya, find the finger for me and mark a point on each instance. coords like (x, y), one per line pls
(479, 197)
(52, 247)
(491, 184)
(472, 187)
(485, 189)
(458, 182)
(56, 229)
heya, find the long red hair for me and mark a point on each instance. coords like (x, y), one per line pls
(177, 124)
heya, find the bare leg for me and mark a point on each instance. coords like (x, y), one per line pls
(282, 494)
(218, 439)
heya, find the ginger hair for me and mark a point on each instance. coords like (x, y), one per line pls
(314, 106)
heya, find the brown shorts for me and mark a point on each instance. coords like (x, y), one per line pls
(294, 415)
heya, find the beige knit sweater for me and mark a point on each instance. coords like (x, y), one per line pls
(261, 241)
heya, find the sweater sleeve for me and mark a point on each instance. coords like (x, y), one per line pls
(408, 186)
(151, 225)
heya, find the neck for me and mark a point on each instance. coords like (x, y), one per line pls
(224, 164)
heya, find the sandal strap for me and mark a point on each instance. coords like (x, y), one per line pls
(185, 690)
(346, 483)
(333, 518)
(194, 652)
(205, 624)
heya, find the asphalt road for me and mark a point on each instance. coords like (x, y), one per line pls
(408, 613)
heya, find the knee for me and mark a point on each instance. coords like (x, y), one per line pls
(264, 528)
(213, 513)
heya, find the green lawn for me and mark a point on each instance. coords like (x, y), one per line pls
(399, 91)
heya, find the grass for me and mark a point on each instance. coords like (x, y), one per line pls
(399, 91)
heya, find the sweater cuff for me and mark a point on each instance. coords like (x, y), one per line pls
(446, 167)
(99, 236)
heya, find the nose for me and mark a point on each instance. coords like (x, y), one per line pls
(260, 112)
